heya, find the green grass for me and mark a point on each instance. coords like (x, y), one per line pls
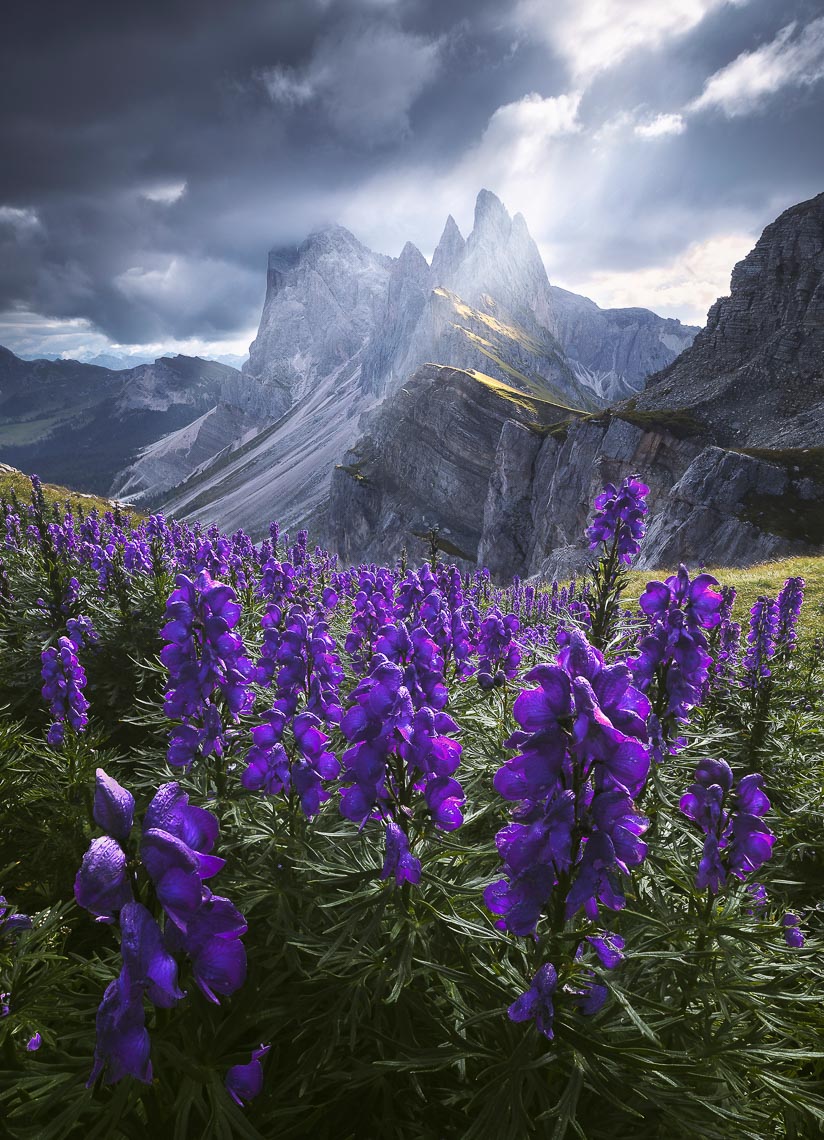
(765, 578)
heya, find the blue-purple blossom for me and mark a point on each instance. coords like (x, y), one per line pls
(675, 651)
(583, 757)
(737, 841)
(147, 963)
(12, 924)
(761, 642)
(789, 601)
(64, 681)
(399, 862)
(499, 651)
(793, 935)
(175, 850)
(537, 1003)
(123, 1046)
(103, 884)
(113, 807)
(245, 1082)
(396, 752)
(619, 518)
(204, 658)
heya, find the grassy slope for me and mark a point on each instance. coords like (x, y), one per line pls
(19, 483)
(766, 578)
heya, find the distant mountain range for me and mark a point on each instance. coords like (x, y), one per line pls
(121, 362)
(78, 424)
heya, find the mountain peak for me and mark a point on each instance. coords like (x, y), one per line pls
(490, 215)
(762, 345)
(412, 258)
(448, 253)
(330, 236)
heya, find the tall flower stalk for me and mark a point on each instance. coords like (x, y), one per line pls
(575, 832)
(617, 531)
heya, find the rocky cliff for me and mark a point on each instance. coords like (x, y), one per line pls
(754, 377)
(427, 462)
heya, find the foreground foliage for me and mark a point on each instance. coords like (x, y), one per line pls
(335, 752)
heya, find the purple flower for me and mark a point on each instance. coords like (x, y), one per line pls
(212, 941)
(146, 961)
(761, 642)
(122, 1047)
(789, 601)
(608, 947)
(102, 885)
(498, 650)
(619, 518)
(583, 756)
(64, 680)
(245, 1082)
(758, 895)
(591, 997)
(204, 658)
(674, 656)
(12, 925)
(175, 849)
(113, 807)
(170, 811)
(34, 1043)
(399, 861)
(737, 841)
(174, 870)
(793, 936)
(536, 1004)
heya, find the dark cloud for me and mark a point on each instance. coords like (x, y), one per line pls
(153, 152)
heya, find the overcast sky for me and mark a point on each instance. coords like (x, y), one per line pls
(153, 152)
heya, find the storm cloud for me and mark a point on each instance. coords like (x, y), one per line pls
(154, 152)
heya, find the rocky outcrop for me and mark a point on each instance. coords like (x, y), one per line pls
(344, 328)
(755, 376)
(406, 296)
(427, 462)
(181, 454)
(323, 302)
(707, 503)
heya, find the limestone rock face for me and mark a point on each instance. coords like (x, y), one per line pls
(323, 301)
(707, 503)
(427, 461)
(448, 254)
(406, 295)
(162, 465)
(754, 377)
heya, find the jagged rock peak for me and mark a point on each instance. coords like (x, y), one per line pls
(411, 260)
(332, 237)
(448, 253)
(491, 218)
